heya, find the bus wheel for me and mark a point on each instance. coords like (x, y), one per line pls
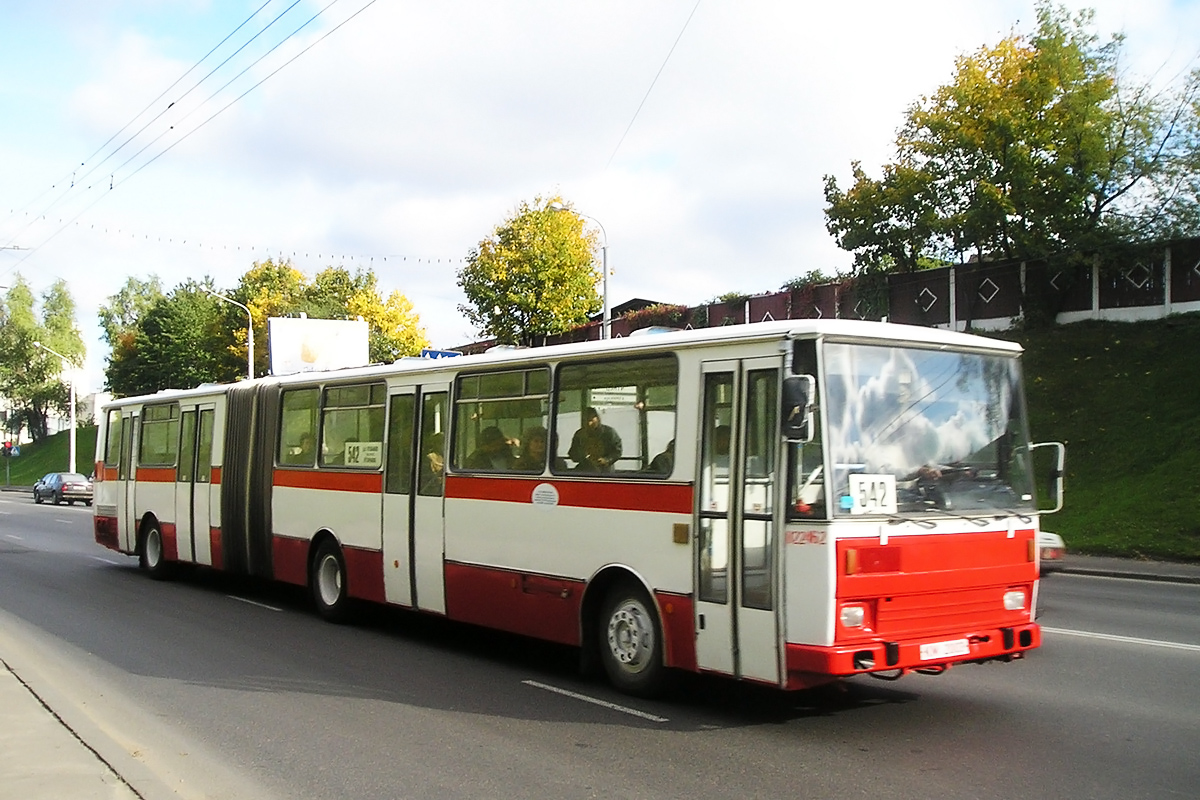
(328, 582)
(152, 555)
(631, 641)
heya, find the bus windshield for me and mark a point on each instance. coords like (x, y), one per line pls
(914, 430)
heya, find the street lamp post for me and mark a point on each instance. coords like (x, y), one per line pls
(606, 328)
(249, 331)
(71, 380)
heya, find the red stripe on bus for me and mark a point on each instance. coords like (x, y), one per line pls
(531, 605)
(289, 559)
(679, 629)
(214, 546)
(106, 532)
(108, 473)
(369, 482)
(170, 545)
(671, 498)
(215, 478)
(156, 474)
(364, 568)
(364, 574)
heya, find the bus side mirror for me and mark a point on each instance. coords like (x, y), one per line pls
(797, 414)
(1056, 474)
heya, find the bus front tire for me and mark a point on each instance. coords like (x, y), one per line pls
(328, 582)
(631, 645)
(152, 555)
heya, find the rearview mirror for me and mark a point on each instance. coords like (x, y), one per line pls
(1056, 474)
(797, 415)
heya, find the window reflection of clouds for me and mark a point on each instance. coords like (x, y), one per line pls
(895, 410)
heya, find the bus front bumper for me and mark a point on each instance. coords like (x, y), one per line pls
(806, 664)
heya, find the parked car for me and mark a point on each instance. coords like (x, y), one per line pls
(60, 486)
(1053, 551)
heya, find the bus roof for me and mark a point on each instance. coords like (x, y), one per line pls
(837, 329)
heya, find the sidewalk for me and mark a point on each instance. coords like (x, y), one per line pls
(41, 759)
(1167, 571)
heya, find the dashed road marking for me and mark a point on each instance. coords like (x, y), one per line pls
(252, 602)
(596, 701)
(1112, 637)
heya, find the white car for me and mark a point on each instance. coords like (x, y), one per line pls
(1053, 551)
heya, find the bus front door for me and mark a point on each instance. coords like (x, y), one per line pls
(413, 530)
(126, 480)
(737, 588)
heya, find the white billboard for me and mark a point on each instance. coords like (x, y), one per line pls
(310, 345)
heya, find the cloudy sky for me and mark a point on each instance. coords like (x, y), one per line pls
(402, 137)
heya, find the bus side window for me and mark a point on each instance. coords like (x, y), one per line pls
(112, 440)
(495, 413)
(352, 426)
(298, 431)
(616, 417)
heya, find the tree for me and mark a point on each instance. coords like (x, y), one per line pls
(534, 276)
(188, 337)
(31, 377)
(1039, 145)
(177, 344)
(125, 308)
(278, 289)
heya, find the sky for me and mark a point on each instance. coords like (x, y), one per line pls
(697, 134)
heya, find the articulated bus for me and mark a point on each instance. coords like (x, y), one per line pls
(787, 503)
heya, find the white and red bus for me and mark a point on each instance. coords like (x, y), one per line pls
(786, 503)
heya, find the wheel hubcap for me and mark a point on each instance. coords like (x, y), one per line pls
(329, 580)
(630, 636)
(153, 548)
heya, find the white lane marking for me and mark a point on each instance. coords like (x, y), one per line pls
(252, 602)
(106, 560)
(595, 701)
(14, 537)
(1112, 637)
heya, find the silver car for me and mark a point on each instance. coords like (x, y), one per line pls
(60, 486)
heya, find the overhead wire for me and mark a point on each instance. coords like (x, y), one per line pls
(74, 172)
(115, 183)
(651, 88)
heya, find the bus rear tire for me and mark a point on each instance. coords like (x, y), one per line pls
(630, 641)
(327, 582)
(152, 555)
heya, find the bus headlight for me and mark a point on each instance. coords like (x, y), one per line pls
(1014, 600)
(854, 616)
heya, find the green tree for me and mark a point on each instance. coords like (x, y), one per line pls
(31, 377)
(272, 289)
(121, 314)
(534, 276)
(1039, 145)
(177, 344)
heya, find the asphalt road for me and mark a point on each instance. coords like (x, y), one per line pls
(224, 688)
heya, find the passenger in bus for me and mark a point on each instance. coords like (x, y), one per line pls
(533, 453)
(492, 452)
(433, 466)
(308, 448)
(595, 447)
(664, 462)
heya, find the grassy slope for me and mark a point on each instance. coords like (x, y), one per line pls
(1125, 399)
(52, 455)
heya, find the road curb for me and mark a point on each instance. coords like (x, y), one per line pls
(1101, 572)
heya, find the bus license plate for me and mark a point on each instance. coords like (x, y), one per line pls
(954, 647)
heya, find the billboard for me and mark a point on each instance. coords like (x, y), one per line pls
(310, 345)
